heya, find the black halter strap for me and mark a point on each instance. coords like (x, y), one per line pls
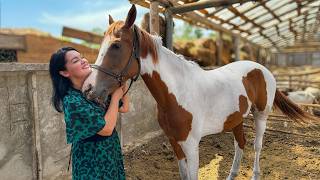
(135, 54)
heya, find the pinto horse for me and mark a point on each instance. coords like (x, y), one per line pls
(192, 102)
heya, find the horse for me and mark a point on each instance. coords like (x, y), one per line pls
(191, 102)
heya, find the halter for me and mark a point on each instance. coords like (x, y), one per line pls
(135, 53)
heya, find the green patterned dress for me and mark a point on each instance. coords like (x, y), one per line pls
(94, 157)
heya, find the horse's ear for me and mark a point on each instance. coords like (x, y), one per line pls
(131, 17)
(110, 20)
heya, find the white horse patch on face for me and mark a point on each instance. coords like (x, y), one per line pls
(103, 51)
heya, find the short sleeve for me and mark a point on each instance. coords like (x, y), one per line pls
(83, 120)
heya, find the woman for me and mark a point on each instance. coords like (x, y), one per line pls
(96, 151)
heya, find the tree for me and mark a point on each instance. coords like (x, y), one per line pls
(198, 33)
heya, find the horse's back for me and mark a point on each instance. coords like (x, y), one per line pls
(250, 68)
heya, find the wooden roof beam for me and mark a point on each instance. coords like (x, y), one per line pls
(202, 5)
(304, 26)
(271, 12)
(299, 6)
(266, 37)
(245, 18)
(292, 30)
(257, 4)
(235, 27)
(315, 26)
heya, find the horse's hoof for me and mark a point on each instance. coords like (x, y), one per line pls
(232, 175)
(256, 176)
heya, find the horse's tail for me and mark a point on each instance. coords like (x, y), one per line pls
(291, 109)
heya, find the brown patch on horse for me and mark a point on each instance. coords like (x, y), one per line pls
(147, 46)
(177, 149)
(256, 88)
(235, 120)
(172, 117)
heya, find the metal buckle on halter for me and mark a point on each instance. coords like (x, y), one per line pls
(120, 79)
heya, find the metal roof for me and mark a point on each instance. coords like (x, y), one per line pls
(268, 23)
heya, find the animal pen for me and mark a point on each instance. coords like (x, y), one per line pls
(283, 35)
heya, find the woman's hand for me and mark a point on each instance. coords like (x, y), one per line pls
(125, 99)
(117, 94)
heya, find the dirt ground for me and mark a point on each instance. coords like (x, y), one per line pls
(284, 155)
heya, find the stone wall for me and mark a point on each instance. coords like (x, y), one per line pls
(33, 143)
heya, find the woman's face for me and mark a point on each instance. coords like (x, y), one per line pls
(77, 67)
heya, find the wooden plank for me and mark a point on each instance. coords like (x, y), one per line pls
(83, 35)
(15, 42)
(202, 5)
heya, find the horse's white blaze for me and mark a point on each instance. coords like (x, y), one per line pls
(103, 51)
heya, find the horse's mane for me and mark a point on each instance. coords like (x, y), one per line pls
(152, 43)
(148, 44)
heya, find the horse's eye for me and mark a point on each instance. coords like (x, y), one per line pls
(115, 46)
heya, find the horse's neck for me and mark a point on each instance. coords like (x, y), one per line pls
(169, 75)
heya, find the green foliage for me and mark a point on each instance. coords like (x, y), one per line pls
(98, 31)
(64, 38)
(189, 32)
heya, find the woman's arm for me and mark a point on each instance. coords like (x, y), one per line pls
(125, 106)
(112, 114)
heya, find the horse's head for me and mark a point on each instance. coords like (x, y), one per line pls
(117, 60)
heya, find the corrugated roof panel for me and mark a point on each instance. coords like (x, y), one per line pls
(210, 10)
(245, 6)
(255, 12)
(283, 24)
(286, 8)
(225, 14)
(264, 18)
(274, 4)
(315, 4)
(254, 30)
(253, 36)
(227, 26)
(244, 34)
(237, 21)
(247, 26)
(235, 31)
(289, 15)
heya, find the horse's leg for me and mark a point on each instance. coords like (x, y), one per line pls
(182, 161)
(183, 169)
(260, 119)
(191, 149)
(239, 142)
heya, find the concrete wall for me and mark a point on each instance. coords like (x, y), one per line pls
(33, 143)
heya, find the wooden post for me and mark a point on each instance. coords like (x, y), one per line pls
(236, 41)
(219, 48)
(154, 17)
(169, 29)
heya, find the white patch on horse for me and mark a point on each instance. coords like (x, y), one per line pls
(103, 51)
(210, 96)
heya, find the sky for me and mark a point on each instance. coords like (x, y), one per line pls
(51, 15)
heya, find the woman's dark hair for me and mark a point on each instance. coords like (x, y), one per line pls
(60, 83)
